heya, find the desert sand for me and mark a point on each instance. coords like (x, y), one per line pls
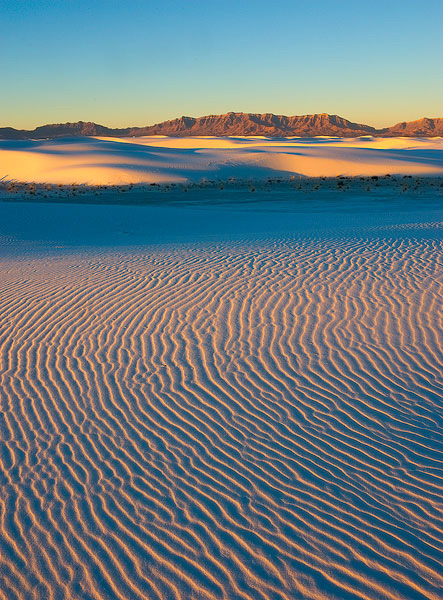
(238, 400)
(161, 159)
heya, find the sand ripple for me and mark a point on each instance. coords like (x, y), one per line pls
(231, 420)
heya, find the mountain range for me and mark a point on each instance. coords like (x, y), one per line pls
(236, 124)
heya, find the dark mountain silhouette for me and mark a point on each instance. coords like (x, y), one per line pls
(236, 124)
(422, 128)
(56, 130)
(257, 124)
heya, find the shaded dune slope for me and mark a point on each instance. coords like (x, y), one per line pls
(238, 420)
(182, 160)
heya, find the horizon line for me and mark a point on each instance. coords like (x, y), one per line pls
(217, 115)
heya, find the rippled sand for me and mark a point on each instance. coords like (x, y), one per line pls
(248, 415)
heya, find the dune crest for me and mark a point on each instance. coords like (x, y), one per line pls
(193, 159)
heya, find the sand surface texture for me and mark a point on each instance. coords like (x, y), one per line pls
(163, 159)
(240, 403)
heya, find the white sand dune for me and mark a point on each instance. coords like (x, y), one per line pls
(247, 416)
(161, 159)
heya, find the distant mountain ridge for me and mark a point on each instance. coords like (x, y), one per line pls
(258, 124)
(56, 130)
(236, 124)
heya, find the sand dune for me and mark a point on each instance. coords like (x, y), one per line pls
(162, 159)
(248, 417)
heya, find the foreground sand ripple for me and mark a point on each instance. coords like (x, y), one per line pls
(224, 420)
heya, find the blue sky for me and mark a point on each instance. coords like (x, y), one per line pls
(137, 62)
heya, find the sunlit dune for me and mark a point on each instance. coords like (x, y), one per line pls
(164, 159)
(239, 402)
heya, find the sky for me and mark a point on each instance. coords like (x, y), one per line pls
(139, 62)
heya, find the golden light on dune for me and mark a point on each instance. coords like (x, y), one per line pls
(159, 159)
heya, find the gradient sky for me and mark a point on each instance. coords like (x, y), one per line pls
(138, 62)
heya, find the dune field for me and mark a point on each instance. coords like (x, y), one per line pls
(239, 398)
(160, 159)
